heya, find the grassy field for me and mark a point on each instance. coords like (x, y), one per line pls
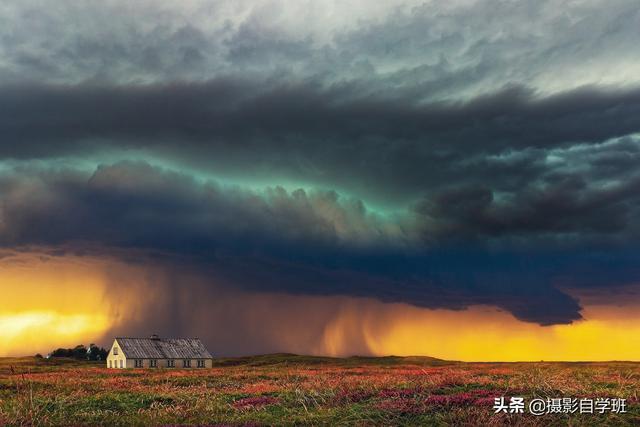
(295, 390)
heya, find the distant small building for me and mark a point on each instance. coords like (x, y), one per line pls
(156, 352)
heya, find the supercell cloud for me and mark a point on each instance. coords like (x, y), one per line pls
(438, 154)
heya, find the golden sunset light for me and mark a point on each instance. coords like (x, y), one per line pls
(50, 301)
(24, 332)
(485, 334)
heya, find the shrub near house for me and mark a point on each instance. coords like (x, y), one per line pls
(80, 352)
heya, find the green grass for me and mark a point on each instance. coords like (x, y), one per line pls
(284, 389)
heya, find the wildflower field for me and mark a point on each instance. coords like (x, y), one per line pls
(300, 390)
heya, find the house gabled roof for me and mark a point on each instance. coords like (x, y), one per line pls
(163, 348)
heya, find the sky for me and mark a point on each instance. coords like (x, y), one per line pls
(454, 179)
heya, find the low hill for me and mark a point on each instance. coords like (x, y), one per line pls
(296, 359)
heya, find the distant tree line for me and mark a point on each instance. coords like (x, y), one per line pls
(80, 352)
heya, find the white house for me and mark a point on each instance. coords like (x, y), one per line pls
(156, 352)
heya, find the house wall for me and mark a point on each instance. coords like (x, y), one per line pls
(113, 360)
(162, 364)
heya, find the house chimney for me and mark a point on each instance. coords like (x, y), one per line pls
(155, 337)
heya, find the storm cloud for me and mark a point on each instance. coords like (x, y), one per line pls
(390, 150)
(297, 242)
(440, 155)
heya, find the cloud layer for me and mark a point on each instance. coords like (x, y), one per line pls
(448, 49)
(307, 242)
(440, 155)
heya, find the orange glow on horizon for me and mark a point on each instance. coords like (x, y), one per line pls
(49, 302)
(46, 329)
(487, 334)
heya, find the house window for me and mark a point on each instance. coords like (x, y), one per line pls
(115, 351)
(138, 363)
(153, 363)
(186, 363)
(110, 363)
(171, 363)
(121, 363)
(200, 363)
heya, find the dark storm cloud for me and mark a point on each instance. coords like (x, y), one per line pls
(332, 135)
(266, 113)
(294, 242)
(511, 171)
(565, 205)
(487, 161)
(127, 204)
